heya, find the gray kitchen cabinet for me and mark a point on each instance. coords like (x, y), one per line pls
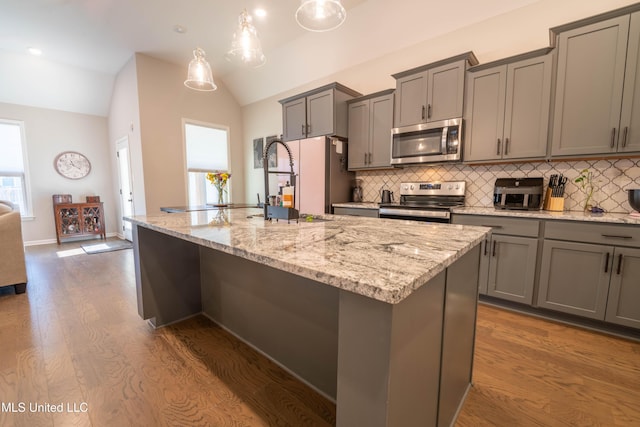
(370, 123)
(432, 92)
(630, 119)
(320, 112)
(508, 257)
(592, 270)
(592, 87)
(623, 304)
(507, 109)
(574, 278)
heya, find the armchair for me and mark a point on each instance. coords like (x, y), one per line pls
(13, 271)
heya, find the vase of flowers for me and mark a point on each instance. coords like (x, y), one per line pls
(219, 181)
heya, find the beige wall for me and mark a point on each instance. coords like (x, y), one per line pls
(48, 133)
(164, 102)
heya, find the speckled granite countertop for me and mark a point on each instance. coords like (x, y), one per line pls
(615, 218)
(382, 259)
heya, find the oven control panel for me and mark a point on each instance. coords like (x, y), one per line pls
(438, 188)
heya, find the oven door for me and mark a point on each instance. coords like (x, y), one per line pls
(424, 215)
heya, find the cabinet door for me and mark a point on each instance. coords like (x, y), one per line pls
(294, 119)
(320, 114)
(359, 134)
(591, 66)
(485, 257)
(526, 121)
(512, 268)
(623, 305)
(445, 91)
(630, 121)
(574, 278)
(485, 114)
(411, 105)
(381, 122)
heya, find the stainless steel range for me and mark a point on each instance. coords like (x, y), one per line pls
(426, 201)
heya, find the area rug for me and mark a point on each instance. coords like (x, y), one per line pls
(107, 246)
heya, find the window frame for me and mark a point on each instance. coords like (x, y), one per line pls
(27, 213)
(192, 122)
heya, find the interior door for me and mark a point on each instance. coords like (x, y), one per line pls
(126, 185)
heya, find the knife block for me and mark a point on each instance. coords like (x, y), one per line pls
(556, 204)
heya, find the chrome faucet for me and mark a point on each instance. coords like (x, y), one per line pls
(277, 212)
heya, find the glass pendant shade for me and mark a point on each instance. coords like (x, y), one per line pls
(245, 46)
(199, 76)
(320, 15)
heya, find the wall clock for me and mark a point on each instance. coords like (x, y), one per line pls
(72, 165)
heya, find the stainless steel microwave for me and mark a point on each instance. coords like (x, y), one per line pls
(427, 143)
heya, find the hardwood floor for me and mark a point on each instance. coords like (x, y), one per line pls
(75, 339)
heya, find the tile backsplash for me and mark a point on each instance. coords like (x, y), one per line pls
(611, 177)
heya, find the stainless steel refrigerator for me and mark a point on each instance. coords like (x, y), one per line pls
(322, 178)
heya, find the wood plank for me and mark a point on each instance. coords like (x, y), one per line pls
(75, 336)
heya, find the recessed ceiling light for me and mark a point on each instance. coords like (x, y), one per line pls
(34, 51)
(260, 13)
(179, 29)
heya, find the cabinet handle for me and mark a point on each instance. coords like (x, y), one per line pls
(506, 146)
(486, 243)
(606, 264)
(302, 129)
(498, 148)
(613, 236)
(308, 129)
(624, 136)
(493, 250)
(365, 158)
(619, 265)
(613, 137)
(428, 111)
(423, 112)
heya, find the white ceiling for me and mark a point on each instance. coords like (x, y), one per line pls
(102, 35)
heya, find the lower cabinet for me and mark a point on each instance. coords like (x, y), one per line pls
(574, 278)
(512, 268)
(592, 270)
(509, 257)
(623, 305)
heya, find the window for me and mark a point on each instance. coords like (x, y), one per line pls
(14, 179)
(207, 150)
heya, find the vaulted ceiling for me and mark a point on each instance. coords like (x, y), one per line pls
(102, 35)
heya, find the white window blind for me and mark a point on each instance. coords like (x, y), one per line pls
(11, 158)
(206, 149)
(14, 177)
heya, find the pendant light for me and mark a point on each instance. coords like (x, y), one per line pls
(320, 15)
(245, 46)
(199, 76)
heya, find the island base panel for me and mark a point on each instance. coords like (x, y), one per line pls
(458, 342)
(291, 319)
(167, 277)
(389, 359)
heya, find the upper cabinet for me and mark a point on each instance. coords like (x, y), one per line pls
(432, 92)
(370, 123)
(597, 102)
(320, 112)
(507, 108)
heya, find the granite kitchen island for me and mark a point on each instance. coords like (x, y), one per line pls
(378, 315)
